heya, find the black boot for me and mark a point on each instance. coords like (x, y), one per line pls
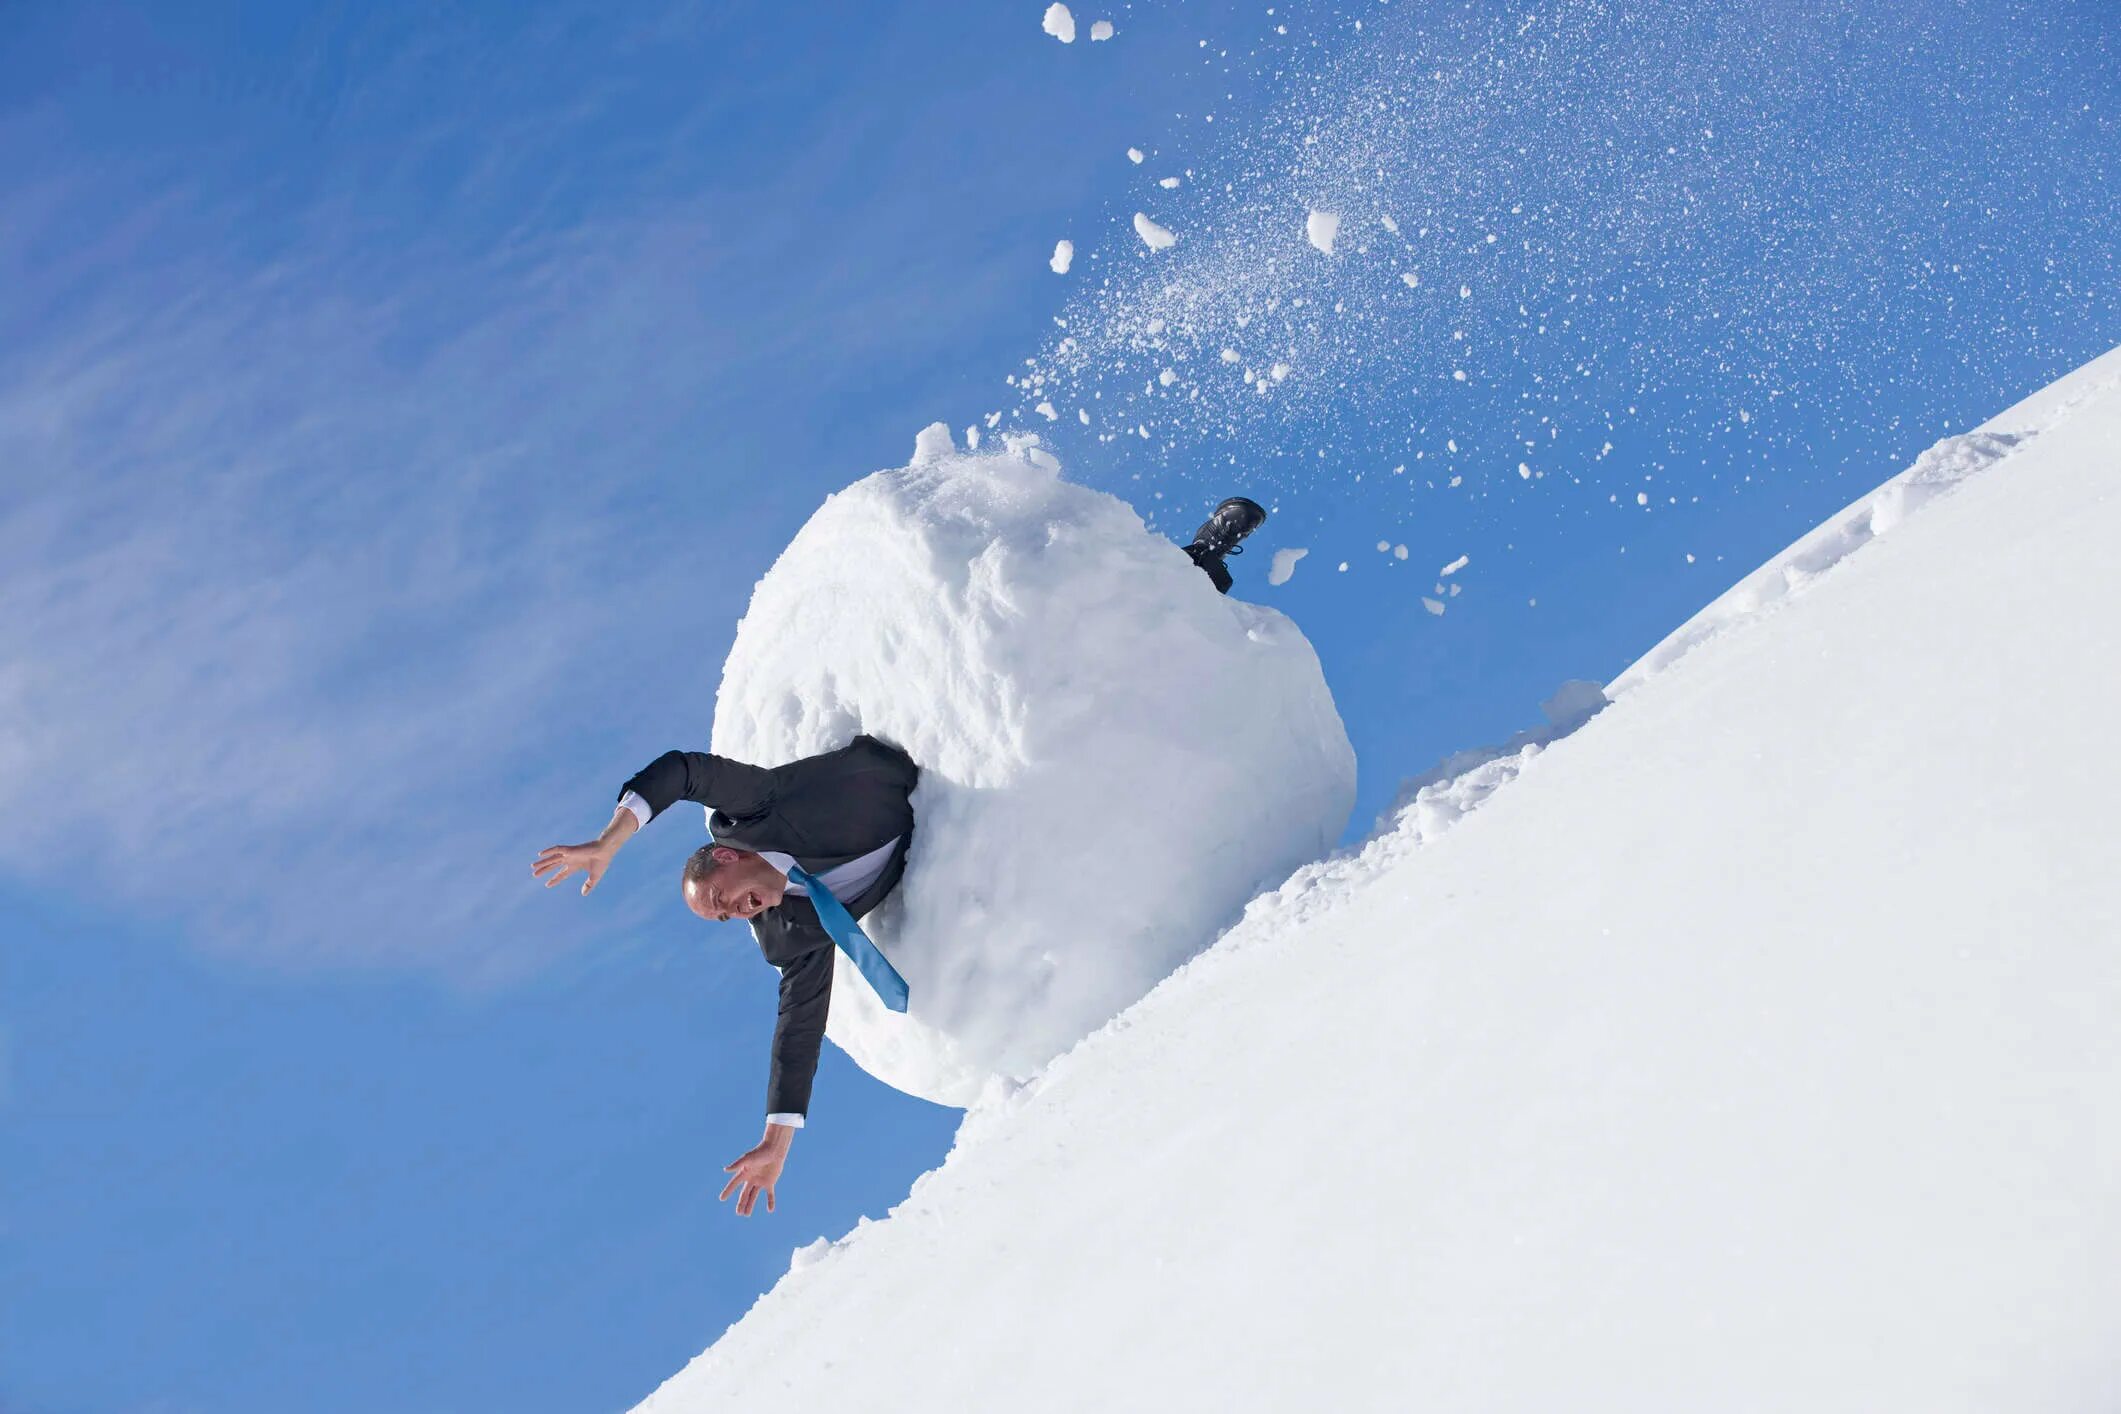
(1219, 535)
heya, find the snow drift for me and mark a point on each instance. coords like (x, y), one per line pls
(1752, 1048)
(1114, 757)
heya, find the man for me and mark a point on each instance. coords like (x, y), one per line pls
(802, 852)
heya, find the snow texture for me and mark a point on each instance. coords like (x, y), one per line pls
(1045, 659)
(1750, 1049)
(1059, 22)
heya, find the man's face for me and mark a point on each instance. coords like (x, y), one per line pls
(742, 886)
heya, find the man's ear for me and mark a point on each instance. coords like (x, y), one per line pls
(723, 854)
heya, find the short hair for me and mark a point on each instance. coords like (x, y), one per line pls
(701, 864)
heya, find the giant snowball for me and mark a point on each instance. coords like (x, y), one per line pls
(1114, 758)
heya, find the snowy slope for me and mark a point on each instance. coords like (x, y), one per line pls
(1754, 1048)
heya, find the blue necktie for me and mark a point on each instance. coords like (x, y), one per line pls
(852, 940)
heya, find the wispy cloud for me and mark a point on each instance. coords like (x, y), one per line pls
(326, 538)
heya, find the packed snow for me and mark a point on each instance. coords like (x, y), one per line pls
(1751, 1048)
(1321, 229)
(1063, 256)
(1284, 565)
(1043, 657)
(1153, 236)
(1059, 22)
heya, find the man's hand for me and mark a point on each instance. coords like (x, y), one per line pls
(560, 861)
(757, 1171)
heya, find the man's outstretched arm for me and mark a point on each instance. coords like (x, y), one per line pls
(730, 786)
(806, 995)
(736, 789)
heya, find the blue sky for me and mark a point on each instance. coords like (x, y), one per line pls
(398, 403)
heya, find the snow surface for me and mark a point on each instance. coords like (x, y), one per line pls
(1751, 1049)
(1114, 756)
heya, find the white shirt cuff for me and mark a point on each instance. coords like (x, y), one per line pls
(631, 800)
(792, 1121)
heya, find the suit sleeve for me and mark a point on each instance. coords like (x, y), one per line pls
(732, 787)
(806, 996)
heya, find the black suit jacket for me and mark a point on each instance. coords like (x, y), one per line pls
(824, 810)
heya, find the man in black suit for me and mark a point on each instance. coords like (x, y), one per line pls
(843, 819)
(840, 822)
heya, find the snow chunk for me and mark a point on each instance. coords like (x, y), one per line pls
(1168, 183)
(1059, 22)
(1100, 30)
(1042, 656)
(1046, 410)
(1063, 256)
(1434, 606)
(1284, 565)
(1455, 566)
(1409, 279)
(1153, 236)
(1390, 224)
(1322, 228)
(1399, 552)
(932, 444)
(1134, 155)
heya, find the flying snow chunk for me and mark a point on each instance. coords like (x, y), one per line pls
(1153, 236)
(1322, 228)
(1042, 656)
(1100, 30)
(1455, 566)
(1390, 224)
(1063, 256)
(1434, 606)
(1046, 410)
(1409, 279)
(1059, 22)
(1399, 552)
(1168, 183)
(1284, 565)
(1134, 155)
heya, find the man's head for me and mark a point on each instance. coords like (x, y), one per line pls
(722, 883)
